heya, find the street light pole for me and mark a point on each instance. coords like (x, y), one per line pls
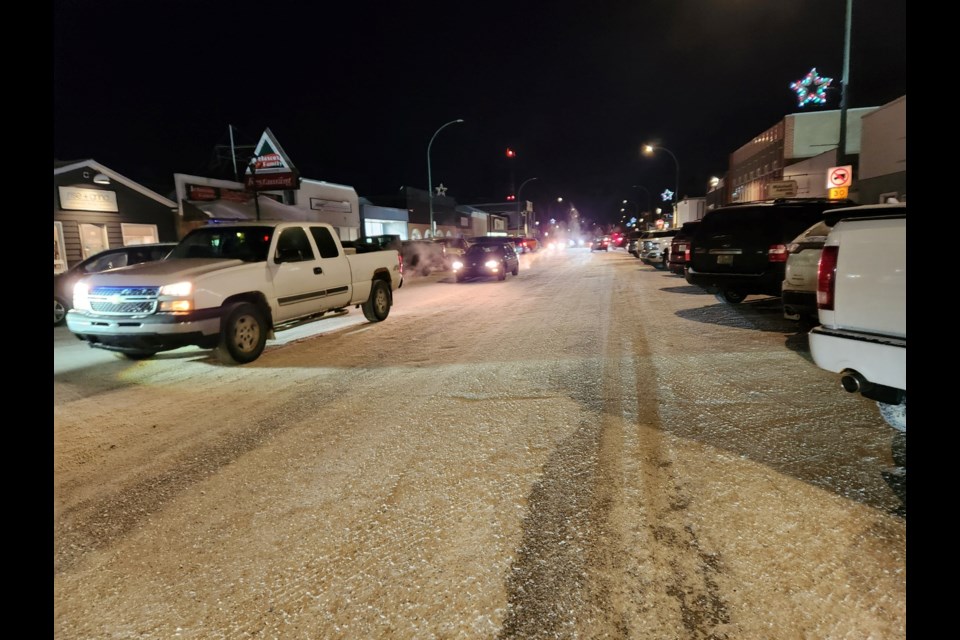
(649, 149)
(433, 230)
(519, 191)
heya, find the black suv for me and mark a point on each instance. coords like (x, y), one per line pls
(741, 249)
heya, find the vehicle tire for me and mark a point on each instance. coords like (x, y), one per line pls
(731, 296)
(138, 355)
(895, 415)
(502, 274)
(458, 278)
(377, 306)
(516, 270)
(243, 334)
(59, 311)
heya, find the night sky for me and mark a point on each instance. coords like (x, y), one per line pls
(354, 91)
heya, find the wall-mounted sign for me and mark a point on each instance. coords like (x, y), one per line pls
(206, 193)
(79, 199)
(782, 189)
(338, 206)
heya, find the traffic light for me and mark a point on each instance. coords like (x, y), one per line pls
(511, 153)
(511, 197)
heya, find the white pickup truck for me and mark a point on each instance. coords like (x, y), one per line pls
(229, 287)
(862, 306)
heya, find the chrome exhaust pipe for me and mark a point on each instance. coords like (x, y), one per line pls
(853, 382)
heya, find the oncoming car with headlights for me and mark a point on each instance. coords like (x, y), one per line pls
(485, 260)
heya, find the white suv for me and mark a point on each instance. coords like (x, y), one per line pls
(656, 248)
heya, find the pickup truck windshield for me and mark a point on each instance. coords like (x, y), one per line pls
(249, 244)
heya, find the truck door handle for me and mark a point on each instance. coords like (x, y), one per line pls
(318, 270)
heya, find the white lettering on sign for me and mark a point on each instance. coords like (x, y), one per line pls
(78, 199)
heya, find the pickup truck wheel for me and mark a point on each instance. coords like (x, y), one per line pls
(895, 415)
(377, 306)
(730, 295)
(243, 335)
(59, 311)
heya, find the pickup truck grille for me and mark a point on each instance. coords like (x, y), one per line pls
(124, 301)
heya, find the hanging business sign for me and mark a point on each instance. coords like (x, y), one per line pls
(270, 169)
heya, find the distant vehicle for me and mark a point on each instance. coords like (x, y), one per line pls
(525, 244)
(107, 259)
(423, 256)
(741, 249)
(680, 248)
(453, 248)
(486, 259)
(374, 243)
(634, 242)
(656, 248)
(600, 244)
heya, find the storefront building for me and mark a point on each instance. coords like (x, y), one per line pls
(95, 208)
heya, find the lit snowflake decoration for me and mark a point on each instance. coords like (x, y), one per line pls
(812, 88)
(667, 195)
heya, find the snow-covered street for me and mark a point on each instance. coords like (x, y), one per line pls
(590, 449)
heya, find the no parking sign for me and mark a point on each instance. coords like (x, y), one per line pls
(839, 176)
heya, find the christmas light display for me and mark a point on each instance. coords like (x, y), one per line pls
(812, 88)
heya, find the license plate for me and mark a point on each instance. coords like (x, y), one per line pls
(725, 259)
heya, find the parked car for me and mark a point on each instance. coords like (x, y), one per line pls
(633, 244)
(680, 248)
(741, 249)
(486, 259)
(656, 248)
(107, 259)
(600, 244)
(799, 288)
(423, 256)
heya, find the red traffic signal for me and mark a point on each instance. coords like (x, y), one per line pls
(511, 153)
(511, 197)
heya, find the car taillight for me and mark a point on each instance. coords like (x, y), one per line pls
(777, 253)
(827, 277)
(400, 262)
(686, 255)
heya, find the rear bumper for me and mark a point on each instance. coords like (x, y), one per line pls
(768, 283)
(881, 360)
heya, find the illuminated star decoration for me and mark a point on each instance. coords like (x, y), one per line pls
(812, 88)
(667, 195)
(441, 190)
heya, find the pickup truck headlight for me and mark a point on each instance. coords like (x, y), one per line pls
(177, 297)
(80, 300)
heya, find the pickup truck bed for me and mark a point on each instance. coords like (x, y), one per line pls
(862, 302)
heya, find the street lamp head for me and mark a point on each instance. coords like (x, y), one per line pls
(648, 149)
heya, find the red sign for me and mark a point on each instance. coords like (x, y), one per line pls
(271, 181)
(201, 192)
